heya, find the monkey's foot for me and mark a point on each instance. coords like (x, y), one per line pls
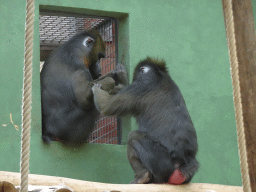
(46, 139)
(177, 177)
(145, 178)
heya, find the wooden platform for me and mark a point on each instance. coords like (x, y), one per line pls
(86, 186)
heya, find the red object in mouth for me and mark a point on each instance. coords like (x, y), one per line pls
(177, 177)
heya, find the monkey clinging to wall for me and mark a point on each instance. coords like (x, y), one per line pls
(164, 148)
(68, 74)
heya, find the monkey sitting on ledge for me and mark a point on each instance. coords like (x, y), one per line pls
(164, 148)
(67, 77)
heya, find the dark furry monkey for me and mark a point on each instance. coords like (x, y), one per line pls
(163, 149)
(68, 74)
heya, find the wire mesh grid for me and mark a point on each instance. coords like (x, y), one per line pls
(56, 29)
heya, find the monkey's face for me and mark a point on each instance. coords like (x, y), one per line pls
(86, 50)
(92, 49)
(92, 64)
(98, 52)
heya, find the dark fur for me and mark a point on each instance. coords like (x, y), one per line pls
(166, 136)
(68, 111)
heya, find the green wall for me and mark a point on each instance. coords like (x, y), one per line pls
(189, 35)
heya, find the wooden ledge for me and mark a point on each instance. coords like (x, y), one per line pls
(87, 186)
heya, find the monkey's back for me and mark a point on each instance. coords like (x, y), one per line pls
(166, 119)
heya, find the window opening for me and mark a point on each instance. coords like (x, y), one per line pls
(57, 28)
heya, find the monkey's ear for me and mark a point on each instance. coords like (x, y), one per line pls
(88, 41)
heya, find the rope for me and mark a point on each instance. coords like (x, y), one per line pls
(26, 100)
(230, 30)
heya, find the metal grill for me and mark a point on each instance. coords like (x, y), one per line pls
(56, 29)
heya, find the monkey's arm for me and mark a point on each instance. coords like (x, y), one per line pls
(110, 105)
(119, 74)
(82, 87)
(120, 77)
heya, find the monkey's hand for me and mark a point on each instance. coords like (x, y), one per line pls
(101, 97)
(120, 74)
(119, 68)
(107, 84)
(96, 87)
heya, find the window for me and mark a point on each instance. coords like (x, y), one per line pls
(57, 28)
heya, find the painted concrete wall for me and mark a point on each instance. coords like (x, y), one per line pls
(189, 35)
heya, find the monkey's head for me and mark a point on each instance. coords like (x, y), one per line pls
(149, 71)
(88, 47)
(97, 52)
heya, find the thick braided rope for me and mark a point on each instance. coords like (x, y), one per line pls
(26, 103)
(230, 29)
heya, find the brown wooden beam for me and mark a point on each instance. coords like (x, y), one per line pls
(86, 186)
(246, 56)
